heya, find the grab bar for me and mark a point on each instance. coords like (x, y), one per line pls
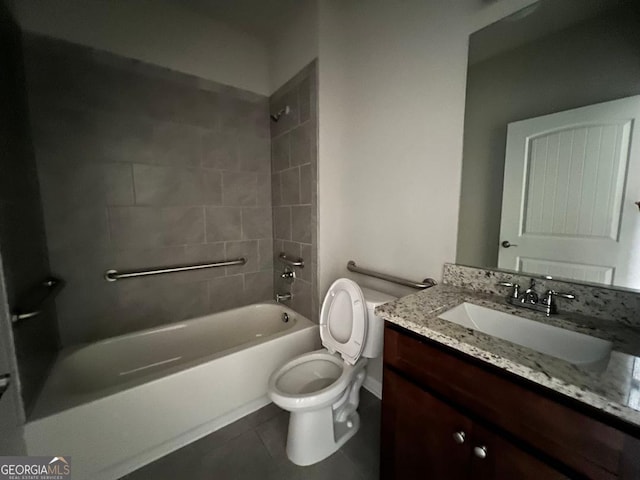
(113, 275)
(426, 283)
(298, 262)
(43, 293)
(5, 381)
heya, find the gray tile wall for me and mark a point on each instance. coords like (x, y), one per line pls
(23, 250)
(294, 186)
(144, 167)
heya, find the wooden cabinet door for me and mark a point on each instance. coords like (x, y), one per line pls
(503, 460)
(418, 434)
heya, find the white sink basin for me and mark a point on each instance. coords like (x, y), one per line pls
(573, 347)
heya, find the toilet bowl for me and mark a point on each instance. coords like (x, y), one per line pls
(321, 389)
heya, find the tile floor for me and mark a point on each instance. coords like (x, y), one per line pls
(254, 448)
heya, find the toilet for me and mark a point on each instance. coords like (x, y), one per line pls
(321, 389)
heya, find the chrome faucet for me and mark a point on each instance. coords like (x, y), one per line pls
(531, 300)
(283, 297)
(288, 274)
(530, 294)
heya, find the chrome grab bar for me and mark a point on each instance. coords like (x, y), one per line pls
(298, 262)
(46, 291)
(5, 381)
(426, 283)
(113, 275)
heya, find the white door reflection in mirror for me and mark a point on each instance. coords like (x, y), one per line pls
(571, 183)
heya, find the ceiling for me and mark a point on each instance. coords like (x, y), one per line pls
(540, 19)
(260, 18)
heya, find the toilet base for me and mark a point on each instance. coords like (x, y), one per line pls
(313, 436)
(316, 434)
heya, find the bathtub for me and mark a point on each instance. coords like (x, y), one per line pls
(120, 403)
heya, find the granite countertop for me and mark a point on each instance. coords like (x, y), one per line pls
(614, 389)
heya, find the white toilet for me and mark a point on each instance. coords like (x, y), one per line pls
(321, 389)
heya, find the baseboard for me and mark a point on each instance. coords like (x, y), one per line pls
(139, 461)
(374, 386)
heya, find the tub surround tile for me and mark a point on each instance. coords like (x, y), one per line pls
(307, 184)
(305, 253)
(593, 300)
(294, 185)
(134, 227)
(256, 223)
(290, 186)
(276, 192)
(293, 249)
(607, 390)
(223, 223)
(104, 81)
(203, 253)
(265, 254)
(301, 224)
(247, 249)
(305, 99)
(301, 301)
(78, 227)
(253, 154)
(226, 293)
(146, 305)
(155, 185)
(258, 287)
(219, 150)
(302, 143)
(282, 223)
(264, 190)
(84, 135)
(239, 189)
(143, 167)
(280, 153)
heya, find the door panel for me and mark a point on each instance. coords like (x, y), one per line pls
(570, 185)
(574, 181)
(504, 460)
(418, 434)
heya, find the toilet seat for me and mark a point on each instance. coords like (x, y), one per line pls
(307, 382)
(343, 320)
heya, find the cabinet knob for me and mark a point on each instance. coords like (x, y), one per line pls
(480, 452)
(459, 437)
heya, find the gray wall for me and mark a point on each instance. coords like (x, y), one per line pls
(594, 62)
(294, 166)
(23, 263)
(143, 167)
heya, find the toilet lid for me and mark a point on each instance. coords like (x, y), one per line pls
(343, 320)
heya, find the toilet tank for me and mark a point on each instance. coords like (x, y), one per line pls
(375, 327)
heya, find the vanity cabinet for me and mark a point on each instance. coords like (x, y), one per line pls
(445, 416)
(430, 439)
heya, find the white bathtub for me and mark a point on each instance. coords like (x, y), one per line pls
(120, 403)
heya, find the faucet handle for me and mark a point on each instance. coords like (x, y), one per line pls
(515, 293)
(549, 300)
(552, 293)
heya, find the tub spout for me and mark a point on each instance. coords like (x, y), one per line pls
(283, 297)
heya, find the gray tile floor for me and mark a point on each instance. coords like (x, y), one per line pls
(254, 448)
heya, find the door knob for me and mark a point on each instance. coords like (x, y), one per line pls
(507, 244)
(459, 437)
(480, 452)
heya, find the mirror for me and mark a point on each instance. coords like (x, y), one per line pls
(551, 163)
